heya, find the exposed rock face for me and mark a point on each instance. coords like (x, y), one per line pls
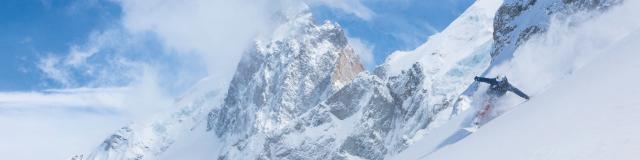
(282, 79)
(517, 20)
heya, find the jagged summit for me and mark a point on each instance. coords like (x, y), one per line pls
(301, 92)
(286, 74)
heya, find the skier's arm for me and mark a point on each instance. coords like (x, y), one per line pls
(486, 80)
(518, 92)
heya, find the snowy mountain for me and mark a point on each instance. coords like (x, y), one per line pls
(586, 110)
(282, 77)
(279, 82)
(371, 117)
(302, 93)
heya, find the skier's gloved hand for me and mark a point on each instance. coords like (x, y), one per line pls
(476, 78)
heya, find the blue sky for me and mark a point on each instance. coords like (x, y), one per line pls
(396, 25)
(33, 30)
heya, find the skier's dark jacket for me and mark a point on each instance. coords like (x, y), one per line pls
(499, 88)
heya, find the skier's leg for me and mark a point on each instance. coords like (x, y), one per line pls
(485, 112)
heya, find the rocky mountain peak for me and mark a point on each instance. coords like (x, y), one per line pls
(285, 76)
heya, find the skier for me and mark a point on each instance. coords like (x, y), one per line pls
(499, 87)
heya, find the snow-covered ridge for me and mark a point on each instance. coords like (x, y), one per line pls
(285, 77)
(282, 79)
(287, 99)
(300, 92)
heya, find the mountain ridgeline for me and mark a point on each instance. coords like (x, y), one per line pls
(302, 93)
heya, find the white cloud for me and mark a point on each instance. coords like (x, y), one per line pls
(217, 30)
(59, 123)
(364, 51)
(137, 101)
(65, 69)
(49, 65)
(355, 7)
(208, 36)
(105, 98)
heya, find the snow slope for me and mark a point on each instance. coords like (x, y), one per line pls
(590, 115)
(584, 106)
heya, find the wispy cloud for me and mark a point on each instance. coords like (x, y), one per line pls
(46, 4)
(48, 65)
(364, 51)
(217, 30)
(42, 123)
(80, 98)
(193, 37)
(355, 7)
(85, 64)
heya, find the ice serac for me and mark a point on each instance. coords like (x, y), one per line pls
(518, 20)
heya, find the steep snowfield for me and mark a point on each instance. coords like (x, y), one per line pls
(592, 114)
(581, 73)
